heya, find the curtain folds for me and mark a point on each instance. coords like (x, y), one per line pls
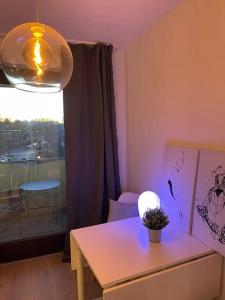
(92, 171)
(3, 79)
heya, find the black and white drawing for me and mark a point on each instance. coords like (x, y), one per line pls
(174, 179)
(177, 184)
(209, 212)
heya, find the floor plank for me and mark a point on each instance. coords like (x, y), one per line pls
(44, 278)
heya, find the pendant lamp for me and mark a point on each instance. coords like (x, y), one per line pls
(36, 58)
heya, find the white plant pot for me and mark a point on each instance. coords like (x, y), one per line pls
(154, 235)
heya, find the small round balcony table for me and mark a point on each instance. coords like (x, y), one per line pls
(34, 186)
(41, 196)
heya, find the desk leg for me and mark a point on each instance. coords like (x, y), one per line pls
(80, 275)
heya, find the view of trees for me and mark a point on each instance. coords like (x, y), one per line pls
(30, 140)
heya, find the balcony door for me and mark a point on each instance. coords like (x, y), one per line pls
(32, 173)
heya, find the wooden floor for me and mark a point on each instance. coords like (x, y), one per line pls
(44, 278)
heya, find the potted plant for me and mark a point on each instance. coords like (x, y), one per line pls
(155, 220)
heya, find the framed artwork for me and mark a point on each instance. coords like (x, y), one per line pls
(177, 185)
(209, 208)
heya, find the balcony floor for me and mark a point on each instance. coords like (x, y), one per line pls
(37, 223)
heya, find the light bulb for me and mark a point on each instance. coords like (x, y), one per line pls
(37, 53)
(147, 200)
(36, 58)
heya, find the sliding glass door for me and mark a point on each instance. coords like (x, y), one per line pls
(32, 166)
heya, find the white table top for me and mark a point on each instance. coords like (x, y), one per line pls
(120, 250)
(40, 185)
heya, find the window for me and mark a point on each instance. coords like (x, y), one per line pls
(32, 165)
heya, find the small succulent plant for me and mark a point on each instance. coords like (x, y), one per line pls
(155, 219)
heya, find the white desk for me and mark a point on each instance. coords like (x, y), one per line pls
(126, 264)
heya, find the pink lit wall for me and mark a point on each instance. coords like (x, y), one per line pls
(175, 88)
(121, 120)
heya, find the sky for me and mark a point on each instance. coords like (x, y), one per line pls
(20, 105)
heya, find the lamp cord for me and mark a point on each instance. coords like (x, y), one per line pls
(37, 10)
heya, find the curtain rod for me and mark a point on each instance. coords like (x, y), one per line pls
(81, 42)
(88, 42)
(2, 35)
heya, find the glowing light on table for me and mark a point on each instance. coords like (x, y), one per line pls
(147, 200)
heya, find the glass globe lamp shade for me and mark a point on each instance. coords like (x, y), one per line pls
(147, 200)
(36, 58)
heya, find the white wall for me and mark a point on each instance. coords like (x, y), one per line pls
(121, 120)
(175, 88)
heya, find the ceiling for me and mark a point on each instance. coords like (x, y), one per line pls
(113, 21)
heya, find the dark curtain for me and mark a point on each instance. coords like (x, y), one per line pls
(3, 79)
(92, 171)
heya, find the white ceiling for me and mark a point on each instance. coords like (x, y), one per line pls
(113, 21)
